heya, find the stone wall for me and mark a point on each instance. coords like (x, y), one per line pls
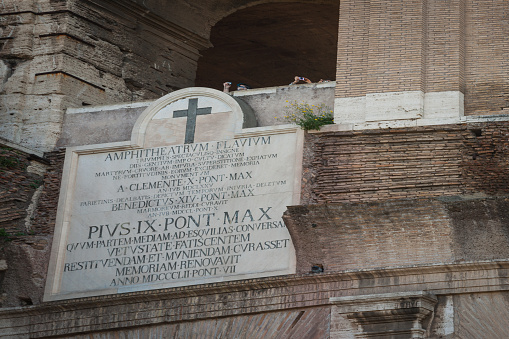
(298, 305)
(48, 201)
(102, 124)
(21, 178)
(373, 218)
(69, 53)
(382, 245)
(308, 323)
(367, 166)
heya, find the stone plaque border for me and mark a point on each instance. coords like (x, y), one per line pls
(62, 224)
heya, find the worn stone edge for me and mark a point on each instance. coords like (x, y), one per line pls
(270, 294)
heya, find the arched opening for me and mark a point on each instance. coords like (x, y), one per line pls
(267, 45)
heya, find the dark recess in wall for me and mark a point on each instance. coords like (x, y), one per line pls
(267, 45)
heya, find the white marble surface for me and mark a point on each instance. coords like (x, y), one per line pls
(399, 109)
(163, 129)
(133, 219)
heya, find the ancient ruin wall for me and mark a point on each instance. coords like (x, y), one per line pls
(344, 167)
(430, 46)
(28, 195)
(412, 163)
(486, 57)
(396, 233)
(70, 53)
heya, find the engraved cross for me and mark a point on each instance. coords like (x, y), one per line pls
(191, 114)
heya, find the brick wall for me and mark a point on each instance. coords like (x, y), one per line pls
(487, 57)
(17, 187)
(393, 46)
(48, 202)
(28, 203)
(407, 163)
(433, 46)
(444, 48)
(396, 39)
(18, 184)
(395, 233)
(353, 42)
(369, 235)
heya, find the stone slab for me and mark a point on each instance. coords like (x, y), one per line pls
(157, 213)
(399, 109)
(190, 304)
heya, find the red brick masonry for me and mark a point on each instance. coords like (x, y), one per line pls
(399, 163)
(392, 233)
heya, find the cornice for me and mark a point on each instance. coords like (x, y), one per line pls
(247, 297)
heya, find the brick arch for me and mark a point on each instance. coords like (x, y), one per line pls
(266, 43)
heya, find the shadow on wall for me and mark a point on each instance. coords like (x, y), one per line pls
(267, 45)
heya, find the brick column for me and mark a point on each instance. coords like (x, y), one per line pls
(400, 62)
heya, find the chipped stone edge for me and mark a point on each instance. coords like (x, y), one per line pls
(274, 294)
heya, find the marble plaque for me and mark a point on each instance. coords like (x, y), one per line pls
(133, 217)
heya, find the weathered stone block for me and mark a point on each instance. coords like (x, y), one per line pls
(40, 135)
(14, 6)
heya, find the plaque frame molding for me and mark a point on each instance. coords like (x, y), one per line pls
(70, 169)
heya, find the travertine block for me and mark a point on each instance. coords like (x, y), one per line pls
(18, 41)
(38, 136)
(14, 6)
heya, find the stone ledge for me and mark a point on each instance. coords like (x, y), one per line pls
(103, 108)
(245, 297)
(383, 302)
(395, 126)
(386, 315)
(274, 89)
(36, 153)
